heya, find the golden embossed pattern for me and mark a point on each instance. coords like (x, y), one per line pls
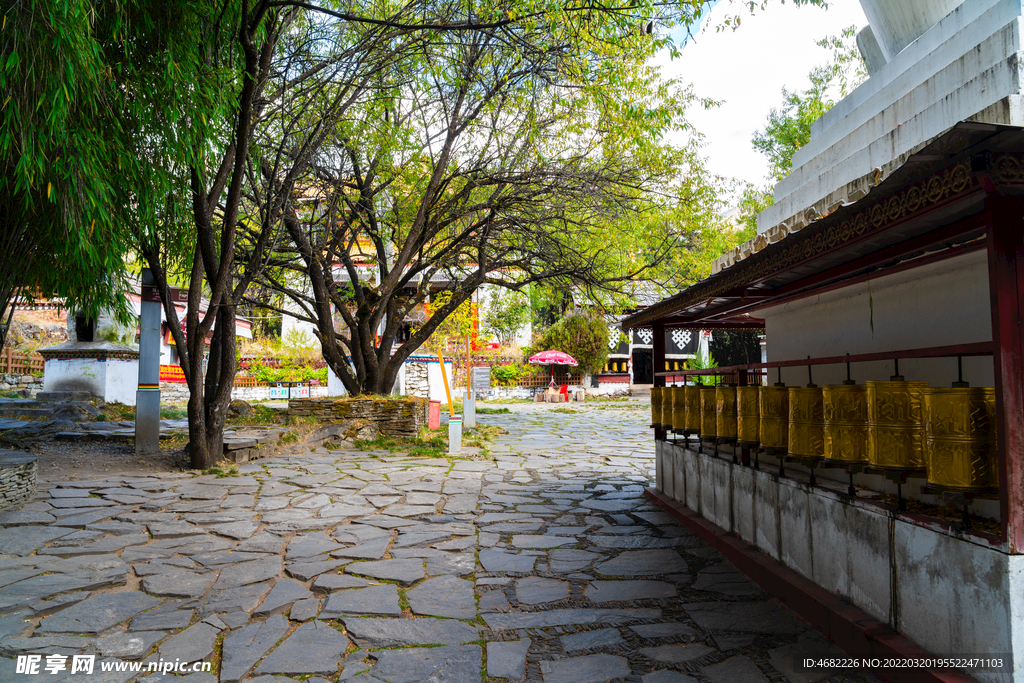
(774, 406)
(692, 420)
(960, 449)
(708, 414)
(748, 416)
(725, 407)
(656, 406)
(895, 425)
(678, 408)
(666, 408)
(846, 423)
(806, 422)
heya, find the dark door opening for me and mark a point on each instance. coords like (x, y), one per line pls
(643, 366)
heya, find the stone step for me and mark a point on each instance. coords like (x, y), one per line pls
(26, 413)
(63, 396)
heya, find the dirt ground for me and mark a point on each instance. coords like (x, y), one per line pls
(64, 460)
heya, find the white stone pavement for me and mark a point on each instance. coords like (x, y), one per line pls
(544, 563)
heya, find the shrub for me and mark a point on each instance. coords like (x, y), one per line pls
(584, 336)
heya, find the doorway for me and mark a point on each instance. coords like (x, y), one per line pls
(643, 366)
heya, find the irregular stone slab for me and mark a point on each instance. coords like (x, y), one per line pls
(641, 562)
(385, 521)
(667, 676)
(245, 573)
(736, 669)
(24, 540)
(243, 648)
(162, 620)
(304, 571)
(241, 599)
(507, 659)
(406, 572)
(180, 584)
(670, 630)
(493, 601)
(381, 599)
(443, 596)
(726, 579)
(494, 560)
(103, 546)
(341, 510)
(450, 664)
(15, 575)
(676, 654)
(407, 540)
(402, 510)
(304, 610)
(237, 530)
(534, 590)
(325, 583)
(745, 617)
(314, 648)
(13, 625)
(589, 640)
(454, 564)
(282, 596)
(566, 617)
(588, 669)
(310, 545)
(263, 542)
(371, 550)
(617, 591)
(98, 613)
(633, 542)
(535, 541)
(173, 529)
(130, 645)
(400, 632)
(194, 644)
(11, 518)
(565, 560)
(610, 505)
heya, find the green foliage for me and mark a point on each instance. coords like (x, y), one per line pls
(508, 374)
(753, 200)
(702, 361)
(508, 312)
(736, 347)
(286, 373)
(582, 335)
(789, 127)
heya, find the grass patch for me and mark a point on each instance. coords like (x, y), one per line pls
(426, 443)
(223, 469)
(492, 411)
(290, 437)
(261, 415)
(563, 410)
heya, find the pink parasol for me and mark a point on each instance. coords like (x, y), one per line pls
(552, 358)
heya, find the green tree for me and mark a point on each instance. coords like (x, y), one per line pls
(508, 312)
(789, 127)
(582, 335)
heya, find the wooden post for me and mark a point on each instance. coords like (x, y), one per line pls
(1004, 218)
(658, 361)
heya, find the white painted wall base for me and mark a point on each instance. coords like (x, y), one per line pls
(113, 380)
(953, 594)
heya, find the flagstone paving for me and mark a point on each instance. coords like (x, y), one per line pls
(541, 562)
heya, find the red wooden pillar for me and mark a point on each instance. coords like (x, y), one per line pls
(1004, 218)
(658, 362)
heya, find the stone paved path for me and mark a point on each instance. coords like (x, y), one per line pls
(546, 564)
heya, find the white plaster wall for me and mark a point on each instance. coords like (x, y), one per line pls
(897, 23)
(113, 380)
(935, 305)
(437, 392)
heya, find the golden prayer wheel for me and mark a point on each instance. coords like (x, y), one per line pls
(691, 423)
(846, 423)
(748, 417)
(895, 425)
(806, 422)
(666, 408)
(725, 410)
(656, 407)
(708, 414)
(678, 409)
(960, 449)
(773, 403)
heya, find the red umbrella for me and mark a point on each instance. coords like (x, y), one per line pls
(552, 358)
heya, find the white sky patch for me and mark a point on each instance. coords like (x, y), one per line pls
(747, 70)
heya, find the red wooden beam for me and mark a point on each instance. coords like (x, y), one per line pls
(975, 349)
(1005, 218)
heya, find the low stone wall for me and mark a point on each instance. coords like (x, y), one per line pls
(177, 393)
(26, 385)
(394, 416)
(17, 478)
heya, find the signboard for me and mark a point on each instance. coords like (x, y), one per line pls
(482, 380)
(151, 293)
(279, 392)
(301, 391)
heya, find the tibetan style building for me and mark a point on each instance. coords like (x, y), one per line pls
(871, 473)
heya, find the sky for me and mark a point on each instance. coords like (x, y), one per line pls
(747, 70)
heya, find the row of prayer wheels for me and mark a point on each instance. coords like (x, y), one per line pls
(950, 433)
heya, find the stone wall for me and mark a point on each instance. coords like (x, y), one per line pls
(17, 478)
(177, 393)
(394, 416)
(417, 380)
(27, 385)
